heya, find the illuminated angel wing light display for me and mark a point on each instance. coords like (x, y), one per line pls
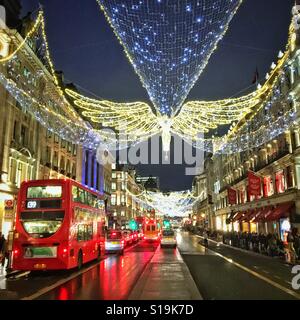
(135, 122)
(169, 42)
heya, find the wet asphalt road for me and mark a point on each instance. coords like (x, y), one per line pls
(111, 279)
(220, 279)
(219, 273)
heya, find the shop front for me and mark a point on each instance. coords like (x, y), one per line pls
(242, 221)
(7, 212)
(275, 219)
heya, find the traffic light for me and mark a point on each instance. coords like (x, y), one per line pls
(133, 225)
(167, 224)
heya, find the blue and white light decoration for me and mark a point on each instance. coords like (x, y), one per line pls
(169, 42)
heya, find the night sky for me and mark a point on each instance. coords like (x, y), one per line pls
(84, 47)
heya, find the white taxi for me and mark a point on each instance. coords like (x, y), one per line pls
(168, 238)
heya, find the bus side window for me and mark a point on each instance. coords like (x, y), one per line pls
(81, 195)
(96, 201)
(87, 198)
(89, 232)
(81, 232)
(75, 193)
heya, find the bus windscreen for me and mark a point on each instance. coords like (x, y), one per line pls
(44, 192)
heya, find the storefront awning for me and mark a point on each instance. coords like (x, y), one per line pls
(262, 214)
(251, 214)
(237, 217)
(281, 211)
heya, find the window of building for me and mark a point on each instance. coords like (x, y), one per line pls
(12, 170)
(49, 134)
(74, 171)
(280, 181)
(113, 175)
(86, 167)
(48, 154)
(68, 167)
(93, 171)
(268, 189)
(113, 199)
(123, 199)
(113, 186)
(23, 137)
(290, 183)
(74, 150)
(98, 176)
(62, 164)
(26, 73)
(55, 159)
(15, 130)
(69, 147)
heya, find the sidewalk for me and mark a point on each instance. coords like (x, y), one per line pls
(166, 277)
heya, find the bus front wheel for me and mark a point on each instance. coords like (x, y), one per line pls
(79, 260)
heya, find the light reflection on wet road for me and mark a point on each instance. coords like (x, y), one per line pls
(112, 279)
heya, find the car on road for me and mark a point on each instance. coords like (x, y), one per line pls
(128, 236)
(114, 242)
(140, 234)
(135, 236)
(168, 239)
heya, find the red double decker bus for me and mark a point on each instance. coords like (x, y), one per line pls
(60, 224)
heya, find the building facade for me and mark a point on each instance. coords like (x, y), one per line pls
(27, 150)
(202, 190)
(97, 175)
(274, 165)
(124, 205)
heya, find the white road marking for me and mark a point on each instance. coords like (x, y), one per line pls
(257, 275)
(20, 275)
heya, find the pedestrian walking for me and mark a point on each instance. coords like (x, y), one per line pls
(205, 236)
(290, 250)
(3, 248)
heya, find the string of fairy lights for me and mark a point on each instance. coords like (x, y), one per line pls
(177, 203)
(49, 106)
(125, 124)
(169, 43)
